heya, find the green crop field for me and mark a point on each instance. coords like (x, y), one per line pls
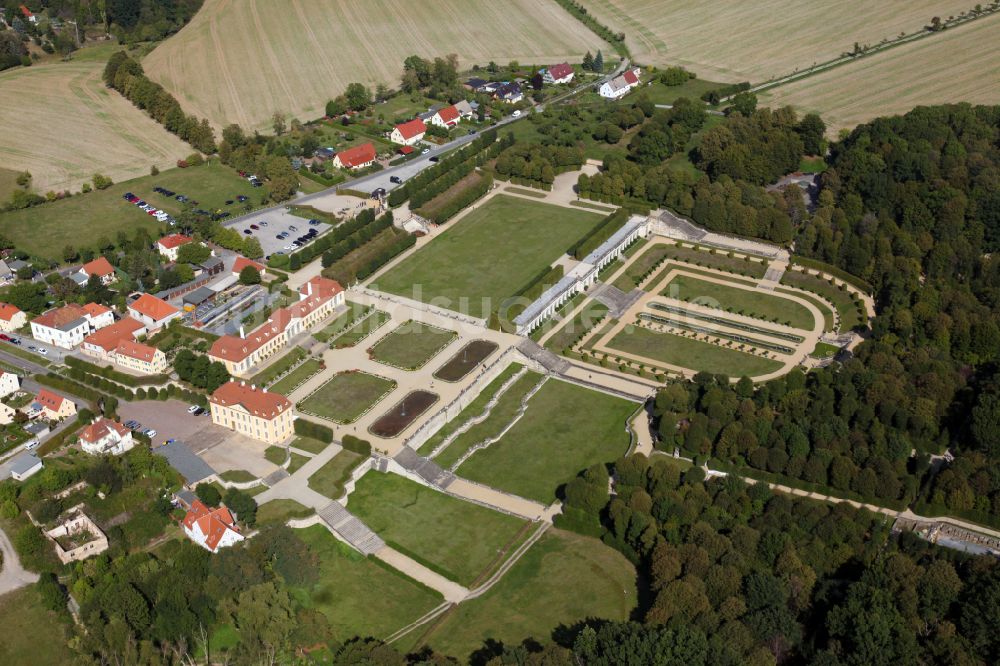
(692, 354)
(565, 429)
(347, 396)
(82, 220)
(457, 538)
(358, 596)
(563, 579)
(242, 61)
(489, 255)
(412, 344)
(752, 303)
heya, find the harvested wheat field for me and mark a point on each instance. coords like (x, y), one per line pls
(63, 125)
(756, 40)
(958, 65)
(242, 60)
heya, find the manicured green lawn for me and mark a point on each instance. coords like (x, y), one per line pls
(759, 304)
(347, 396)
(358, 596)
(309, 444)
(823, 350)
(566, 335)
(457, 538)
(412, 344)
(280, 511)
(566, 429)
(297, 377)
(821, 305)
(275, 454)
(501, 415)
(489, 255)
(659, 93)
(850, 315)
(338, 325)
(82, 220)
(359, 331)
(563, 579)
(692, 354)
(330, 478)
(268, 374)
(237, 476)
(31, 634)
(475, 408)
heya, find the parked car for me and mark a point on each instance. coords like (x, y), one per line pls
(4, 336)
(263, 223)
(241, 198)
(425, 151)
(127, 196)
(149, 433)
(292, 227)
(395, 179)
(192, 409)
(434, 158)
(43, 352)
(247, 232)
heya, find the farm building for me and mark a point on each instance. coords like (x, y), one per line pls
(556, 74)
(620, 85)
(408, 133)
(357, 157)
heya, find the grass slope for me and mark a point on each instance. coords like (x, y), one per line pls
(749, 302)
(565, 429)
(564, 578)
(31, 634)
(489, 255)
(692, 354)
(457, 538)
(240, 61)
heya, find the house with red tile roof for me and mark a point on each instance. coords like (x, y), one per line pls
(251, 411)
(168, 246)
(408, 133)
(104, 437)
(102, 344)
(620, 85)
(318, 298)
(556, 74)
(11, 318)
(357, 157)
(243, 262)
(446, 117)
(211, 529)
(100, 267)
(67, 326)
(136, 356)
(52, 406)
(153, 312)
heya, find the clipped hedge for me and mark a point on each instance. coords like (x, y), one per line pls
(600, 233)
(108, 372)
(313, 430)
(357, 445)
(463, 200)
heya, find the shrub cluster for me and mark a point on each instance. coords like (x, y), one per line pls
(108, 372)
(355, 240)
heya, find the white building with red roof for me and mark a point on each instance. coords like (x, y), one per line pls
(446, 117)
(52, 406)
(9, 383)
(11, 318)
(140, 358)
(102, 344)
(408, 133)
(211, 529)
(153, 312)
(243, 262)
(100, 267)
(168, 246)
(104, 437)
(557, 74)
(357, 157)
(67, 326)
(251, 411)
(318, 298)
(620, 85)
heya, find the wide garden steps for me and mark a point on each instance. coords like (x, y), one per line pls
(547, 359)
(352, 530)
(425, 468)
(274, 477)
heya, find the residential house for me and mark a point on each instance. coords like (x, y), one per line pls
(620, 85)
(102, 344)
(357, 157)
(466, 109)
(9, 383)
(7, 274)
(140, 358)
(25, 465)
(6, 414)
(26, 13)
(153, 312)
(254, 412)
(409, 133)
(67, 326)
(243, 262)
(475, 84)
(211, 529)
(100, 267)
(168, 246)
(324, 154)
(446, 117)
(510, 93)
(318, 298)
(52, 406)
(106, 437)
(557, 74)
(11, 318)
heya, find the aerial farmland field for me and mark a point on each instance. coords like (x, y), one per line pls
(758, 40)
(64, 126)
(242, 60)
(939, 69)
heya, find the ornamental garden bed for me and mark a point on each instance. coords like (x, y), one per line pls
(403, 413)
(465, 360)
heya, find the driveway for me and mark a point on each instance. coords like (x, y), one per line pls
(13, 576)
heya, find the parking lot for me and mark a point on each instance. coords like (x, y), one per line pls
(271, 223)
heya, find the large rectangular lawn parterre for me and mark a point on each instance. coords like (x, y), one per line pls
(692, 354)
(412, 344)
(489, 255)
(565, 429)
(347, 396)
(564, 578)
(458, 539)
(358, 596)
(752, 303)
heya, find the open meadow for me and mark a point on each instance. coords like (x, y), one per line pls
(63, 126)
(759, 40)
(956, 66)
(242, 60)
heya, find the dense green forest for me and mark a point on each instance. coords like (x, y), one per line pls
(129, 20)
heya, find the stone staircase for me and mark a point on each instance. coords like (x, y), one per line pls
(425, 468)
(355, 532)
(274, 477)
(547, 359)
